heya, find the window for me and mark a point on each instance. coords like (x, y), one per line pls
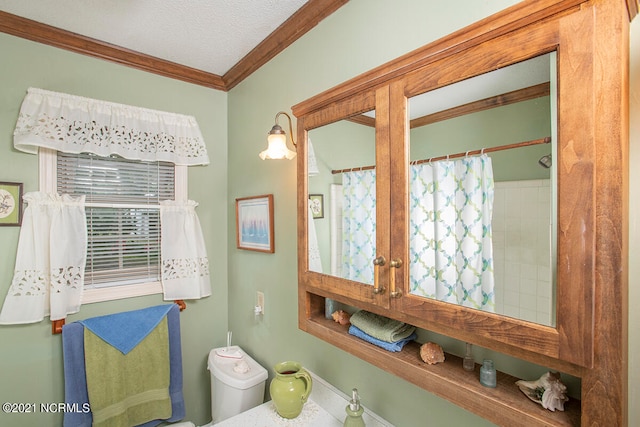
(123, 218)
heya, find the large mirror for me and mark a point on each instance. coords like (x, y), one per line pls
(342, 236)
(482, 187)
(469, 121)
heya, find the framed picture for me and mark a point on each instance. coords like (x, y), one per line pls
(10, 203)
(254, 223)
(317, 205)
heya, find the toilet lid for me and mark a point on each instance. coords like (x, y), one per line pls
(229, 353)
(223, 369)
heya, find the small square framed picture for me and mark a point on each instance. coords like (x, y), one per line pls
(254, 223)
(317, 205)
(10, 203)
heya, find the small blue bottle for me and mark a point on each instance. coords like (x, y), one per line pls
(329, 308)
(488, 374)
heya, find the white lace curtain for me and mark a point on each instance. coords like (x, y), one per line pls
(185, 265)
(74, 124)
(49, 272)
(51, 256)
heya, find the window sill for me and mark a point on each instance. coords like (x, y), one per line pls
(120, 292)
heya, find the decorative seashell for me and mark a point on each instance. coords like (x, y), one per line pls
(555, 396)
(547, 390)
(341, 317)
(431, 353)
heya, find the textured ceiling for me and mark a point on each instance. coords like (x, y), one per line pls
(214, 35)
(209, 35)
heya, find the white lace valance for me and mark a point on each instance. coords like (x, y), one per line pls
(75, 124)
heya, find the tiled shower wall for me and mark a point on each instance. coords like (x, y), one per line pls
(522, 250)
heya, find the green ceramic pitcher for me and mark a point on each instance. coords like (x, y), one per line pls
(290, 388)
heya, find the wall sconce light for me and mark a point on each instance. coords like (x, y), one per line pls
(277, 140)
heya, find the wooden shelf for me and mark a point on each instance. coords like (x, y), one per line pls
(504, 405)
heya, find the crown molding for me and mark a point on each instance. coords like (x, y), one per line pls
(52, 36)
(298, 24)
(307, 17)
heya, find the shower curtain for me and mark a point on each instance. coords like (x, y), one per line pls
(451, 254)
(358, 225)
(335, 205)
(450, 228)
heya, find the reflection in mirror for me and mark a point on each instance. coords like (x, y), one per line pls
(482, 185)
(343, 242)
(498, 126)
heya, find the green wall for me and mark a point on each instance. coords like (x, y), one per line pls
(359, 36)
(356, 38)
(31, 358)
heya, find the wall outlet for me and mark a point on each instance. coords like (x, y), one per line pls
(260, 301)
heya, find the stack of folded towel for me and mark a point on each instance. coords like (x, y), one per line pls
(386, 333)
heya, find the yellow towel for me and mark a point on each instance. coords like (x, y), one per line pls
(131, 389)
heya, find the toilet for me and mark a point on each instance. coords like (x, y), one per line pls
(237, 382)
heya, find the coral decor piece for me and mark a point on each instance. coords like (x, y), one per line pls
(342, 317)
(547, 390)
(431, 353)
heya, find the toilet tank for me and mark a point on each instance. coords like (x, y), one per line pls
(237, 382)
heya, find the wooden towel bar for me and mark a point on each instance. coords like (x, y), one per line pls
(56, 325)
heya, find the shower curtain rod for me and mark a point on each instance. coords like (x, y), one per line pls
(544, 140)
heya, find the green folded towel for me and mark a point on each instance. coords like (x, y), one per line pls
(131, 389)
(381, 327)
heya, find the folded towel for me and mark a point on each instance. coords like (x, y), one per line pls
(131, 389)
(125, 330)
(381, 327)
(75, 374)
(389, 346)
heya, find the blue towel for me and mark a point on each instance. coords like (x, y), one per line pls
(389, 346)
(125, 330)
(75, 380)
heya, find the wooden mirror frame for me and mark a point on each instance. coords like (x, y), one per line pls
(592, 190)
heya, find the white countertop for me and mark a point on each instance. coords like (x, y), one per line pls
(324, 408)
(265, 415)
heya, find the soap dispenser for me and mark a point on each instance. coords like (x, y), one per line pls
(354, 411)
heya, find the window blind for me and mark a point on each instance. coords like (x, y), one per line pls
(123, 218)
